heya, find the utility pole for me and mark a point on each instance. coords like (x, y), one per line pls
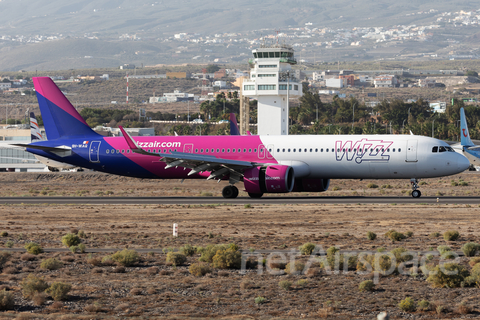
(353, 116)
(188, 117)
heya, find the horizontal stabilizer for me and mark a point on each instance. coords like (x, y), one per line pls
(61, 151)
(132, 144)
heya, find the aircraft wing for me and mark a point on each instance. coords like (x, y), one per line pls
(218, 167)
(474, 148)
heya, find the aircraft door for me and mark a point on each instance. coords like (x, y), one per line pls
(94, 151)
(412, 151)
(188, 148)
(261, 151)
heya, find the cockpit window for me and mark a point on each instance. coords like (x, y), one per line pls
(449, 149)
(435, 149)
(442, 149)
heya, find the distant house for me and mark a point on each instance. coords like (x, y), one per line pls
(385, 81)
(5, 85)
(177, 75)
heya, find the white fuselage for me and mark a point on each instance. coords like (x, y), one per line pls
(365, 156)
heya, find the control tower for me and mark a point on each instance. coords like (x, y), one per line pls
(272, 83)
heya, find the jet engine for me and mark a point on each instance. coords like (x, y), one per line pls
(271, 179)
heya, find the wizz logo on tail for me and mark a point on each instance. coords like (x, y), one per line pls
(362, 150)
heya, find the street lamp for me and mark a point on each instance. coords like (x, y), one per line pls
(403, 126)
(433, 126)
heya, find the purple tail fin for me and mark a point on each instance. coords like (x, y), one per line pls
(233, 125)
(60, 118)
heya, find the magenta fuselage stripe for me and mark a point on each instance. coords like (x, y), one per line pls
(47, 88)
(190, 144)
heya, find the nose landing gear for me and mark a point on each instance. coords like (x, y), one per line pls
(230, 192)
(415, 193)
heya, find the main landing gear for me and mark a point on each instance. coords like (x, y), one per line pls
(415, 193)
(230, 192)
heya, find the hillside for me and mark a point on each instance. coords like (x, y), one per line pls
(208, 16)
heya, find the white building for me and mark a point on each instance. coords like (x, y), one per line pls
(5, 85)
(334, 83)
(175, 96)
(220, 84)
(272, 83)
(385, 81)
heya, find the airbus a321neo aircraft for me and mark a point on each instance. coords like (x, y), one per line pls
(265, 164)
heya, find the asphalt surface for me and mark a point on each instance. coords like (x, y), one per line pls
(244, 200)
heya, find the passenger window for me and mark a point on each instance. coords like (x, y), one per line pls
(233, 150)
(228, 150)
(393, 149)
(371, 150)
(383, 150)
(388, 150)
(278, 150)
(128, 150)
(294, 150)
(213, 150)
(123, 151)
(288, 150)
(321, 150)
(196, 150)
(376, 150)
(255, 150)
(201, 150)
(306, 150)
(435, 149)
(299, 150)
(442, 149)
(108, 151)
(327, 150)
(118, 151)
(283, 150)
(349, 150)
(244, 150)
(249, 150)
(399, 149)
(223, 150)
(311, 150)
(218, 150)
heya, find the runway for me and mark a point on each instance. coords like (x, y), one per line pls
(239, 201)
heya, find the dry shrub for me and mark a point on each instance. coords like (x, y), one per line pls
(4, 256)
(151, 291)
(27, 257)
(462, 308)
(152, 271)
(51, 264)
(70, 239)
(97, 270)
(67, 259)
(451, 235)
(223, 274)
(474, 261)
(94, 261)
(39, 298)
(6, 300)
(276, 265)
(454, 276)
(314, 272)
(295, 268)
(32, 285)
(93, 308)
(199, 269)
(122, 307)
(136, 291)
(245, 285)
(10, 270)
(126, 257)
(164, 272)
(175, 258)
(33, 248)
(229, 258)
(57, 305)
(59, 290)
(74, 230)
(119, 269)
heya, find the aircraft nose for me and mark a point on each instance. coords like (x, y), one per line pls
(462, 163)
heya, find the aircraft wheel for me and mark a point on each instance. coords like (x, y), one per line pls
(235, 189)
(230, 192)
(255, 195)
(416, 193)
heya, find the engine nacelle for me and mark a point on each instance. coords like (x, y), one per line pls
(311, 185)
(272, 179)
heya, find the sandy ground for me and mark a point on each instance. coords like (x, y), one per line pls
(154, 288)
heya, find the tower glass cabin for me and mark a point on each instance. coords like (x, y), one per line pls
(272, 82)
